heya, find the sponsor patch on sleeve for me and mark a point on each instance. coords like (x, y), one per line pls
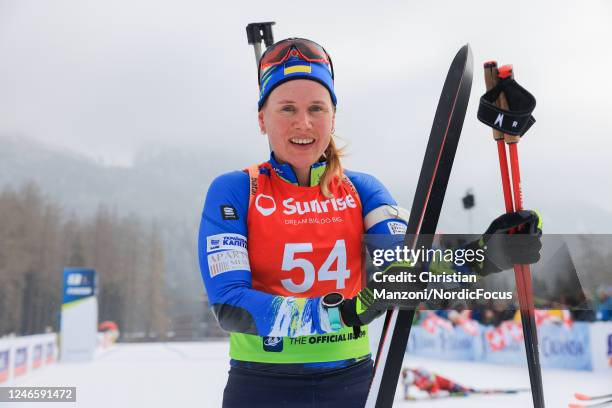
(229, 212)
(396, 228)
(226, 241)
(225, 261)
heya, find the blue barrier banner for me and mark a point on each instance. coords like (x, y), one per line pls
(37, 356)
(504, 344)
(454, 343)
(50, 354)
(4, 364)
(561, 345)
(458, 344)
(21, 361)
(424, 343)
(610, 350)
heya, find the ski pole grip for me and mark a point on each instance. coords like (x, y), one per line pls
(491, 79)
(506, 71)
(260, 31)
(256, 32)
(492, 76)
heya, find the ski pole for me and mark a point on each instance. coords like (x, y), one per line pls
(490, 68)
(514, 202)
(512, 141)
(257, 32)
(523, 274)
(491, 80)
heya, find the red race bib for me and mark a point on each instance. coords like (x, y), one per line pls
(302, 243)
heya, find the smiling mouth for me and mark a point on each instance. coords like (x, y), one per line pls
(302, 142)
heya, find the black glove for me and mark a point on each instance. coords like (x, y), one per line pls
(502, 249)
(362, 309)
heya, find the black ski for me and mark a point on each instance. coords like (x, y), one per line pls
(426, 207)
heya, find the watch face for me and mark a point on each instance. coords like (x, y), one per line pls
(332, 299)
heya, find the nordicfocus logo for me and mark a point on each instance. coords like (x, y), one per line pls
(266, 205)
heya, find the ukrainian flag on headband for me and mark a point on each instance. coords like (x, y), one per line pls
(297, 66)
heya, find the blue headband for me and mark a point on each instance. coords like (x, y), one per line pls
(295, 68)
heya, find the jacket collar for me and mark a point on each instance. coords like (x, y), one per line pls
(285, 171)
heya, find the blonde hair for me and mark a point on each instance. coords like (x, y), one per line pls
(333, 170)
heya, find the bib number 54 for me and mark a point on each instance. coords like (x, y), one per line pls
(290, 261)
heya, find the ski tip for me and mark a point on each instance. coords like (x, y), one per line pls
(581, 397)
(464, 57)
(466, 51)
(490, 64)
(576, 406)
(465, 48)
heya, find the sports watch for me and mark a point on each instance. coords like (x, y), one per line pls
(331, 302)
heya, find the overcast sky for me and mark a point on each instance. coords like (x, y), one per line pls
(112, 78)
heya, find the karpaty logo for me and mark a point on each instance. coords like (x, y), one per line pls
(265, 204)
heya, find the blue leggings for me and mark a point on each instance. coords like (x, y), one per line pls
(344, 387)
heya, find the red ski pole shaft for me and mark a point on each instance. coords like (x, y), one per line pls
(524, 277)
(514, 202)
(518, 205)
(491, 79)
(523, 274)
(490, 68)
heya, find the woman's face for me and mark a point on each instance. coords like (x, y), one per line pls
(298, 117)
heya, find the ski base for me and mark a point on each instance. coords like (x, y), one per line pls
(602, 404)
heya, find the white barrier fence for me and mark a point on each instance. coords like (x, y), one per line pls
(21, 355)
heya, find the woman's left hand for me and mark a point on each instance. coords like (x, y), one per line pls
(512, 238)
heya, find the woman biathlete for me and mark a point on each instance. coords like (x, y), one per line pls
(280, 248)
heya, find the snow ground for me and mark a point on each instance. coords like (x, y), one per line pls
(194, 374)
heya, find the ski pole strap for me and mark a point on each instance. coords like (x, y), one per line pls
(517, 119)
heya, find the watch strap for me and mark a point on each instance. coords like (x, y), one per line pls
(335, 322)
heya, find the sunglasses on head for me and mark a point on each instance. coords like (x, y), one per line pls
(293, 47)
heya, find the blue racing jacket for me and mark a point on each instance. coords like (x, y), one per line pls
(250, 314)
